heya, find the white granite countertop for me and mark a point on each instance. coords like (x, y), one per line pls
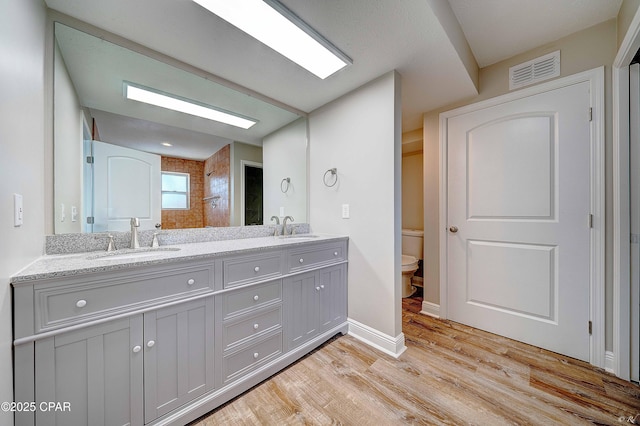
(57, 266)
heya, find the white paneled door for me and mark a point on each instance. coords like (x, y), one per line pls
(126, 185)
(518, 212)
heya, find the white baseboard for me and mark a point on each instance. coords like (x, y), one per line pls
(393, 346)
(431, 309)
(609, 359)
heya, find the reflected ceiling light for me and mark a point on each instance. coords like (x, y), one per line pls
(166, 144)
(165, 100)
(271, 23)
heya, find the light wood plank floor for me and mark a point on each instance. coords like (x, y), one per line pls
(450, 374)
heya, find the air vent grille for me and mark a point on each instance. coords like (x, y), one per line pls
(534, 71)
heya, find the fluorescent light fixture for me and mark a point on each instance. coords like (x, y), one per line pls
(276, 26)
(165, 100)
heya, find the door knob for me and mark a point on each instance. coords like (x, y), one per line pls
(453, 229)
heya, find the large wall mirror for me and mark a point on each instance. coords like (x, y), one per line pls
(117, 158)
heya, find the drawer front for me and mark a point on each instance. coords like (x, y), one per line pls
(244, 300)
(249, 327)
(313, 257)
(247, 269)
(236, 364)
(76, 303)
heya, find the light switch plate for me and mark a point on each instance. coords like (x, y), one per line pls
(18, 211)
(345, 211)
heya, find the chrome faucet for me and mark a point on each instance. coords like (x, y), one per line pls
(135, 223)
(277, 219)
(284, 224)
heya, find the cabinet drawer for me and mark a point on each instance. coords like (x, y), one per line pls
(236, 364)
(243, 270)
(240, 301)
(313, 257)
(247, 327)
(65, 305)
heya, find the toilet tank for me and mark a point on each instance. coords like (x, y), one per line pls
(412, 242)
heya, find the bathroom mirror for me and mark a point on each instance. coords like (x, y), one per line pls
(110, 152)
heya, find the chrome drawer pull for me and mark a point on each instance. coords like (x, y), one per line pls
(255, 326)
(136, 349)
(335, 253)
(317, 288)
(301, 260)
(257, 269)
(81, 303)
(322, 286)
(191, 281)
(256, 297)
(150, 343)
(256, 355)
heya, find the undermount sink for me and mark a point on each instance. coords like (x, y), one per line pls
(126, 254)
(298, 236)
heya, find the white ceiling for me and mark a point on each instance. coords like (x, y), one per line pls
(421, 39)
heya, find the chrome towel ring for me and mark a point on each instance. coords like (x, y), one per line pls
(334, 174)
(284, 184)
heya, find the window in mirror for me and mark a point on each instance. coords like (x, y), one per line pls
(175, 191)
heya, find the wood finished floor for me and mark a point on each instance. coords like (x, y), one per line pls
(450, 374)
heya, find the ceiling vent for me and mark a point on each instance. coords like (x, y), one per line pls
(534, 71)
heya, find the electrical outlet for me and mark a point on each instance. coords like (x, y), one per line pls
(281, 211)
(74, 214)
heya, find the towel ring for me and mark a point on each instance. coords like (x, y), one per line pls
(284, 188)
(334, 173)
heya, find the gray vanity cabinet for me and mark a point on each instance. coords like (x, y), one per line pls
(96, 371)
(165, 344)
(178, 356)
(314, 302)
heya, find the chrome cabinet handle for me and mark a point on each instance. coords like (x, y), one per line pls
(255, 326)
(301, 260)
(191, 281)
(136, 349)
(150, 343)
(453, 229)
(256, 355)
(81, 303)
(257, 269)
(335, 253)
(256, 297)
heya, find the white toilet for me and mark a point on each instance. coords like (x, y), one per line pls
(411, 254)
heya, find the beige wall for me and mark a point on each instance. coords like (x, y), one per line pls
(412, 190)
(625, 16)
(588, 49)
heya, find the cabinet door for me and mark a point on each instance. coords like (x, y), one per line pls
(178, 359)
(333, 296)
(301, 309)
(96, 370)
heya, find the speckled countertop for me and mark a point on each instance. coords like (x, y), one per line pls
(66, 265)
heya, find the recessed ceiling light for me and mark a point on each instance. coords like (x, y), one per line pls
(165, 100)
(166, 144)
(271, 23)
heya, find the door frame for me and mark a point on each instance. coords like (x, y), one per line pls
(619, 362)
(243, 182)
(595, 77)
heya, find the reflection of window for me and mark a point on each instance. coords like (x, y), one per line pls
(175, 191)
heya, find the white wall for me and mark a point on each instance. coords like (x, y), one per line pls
(285, 155)
(68, 150)
(22, 129)
(360, 135)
